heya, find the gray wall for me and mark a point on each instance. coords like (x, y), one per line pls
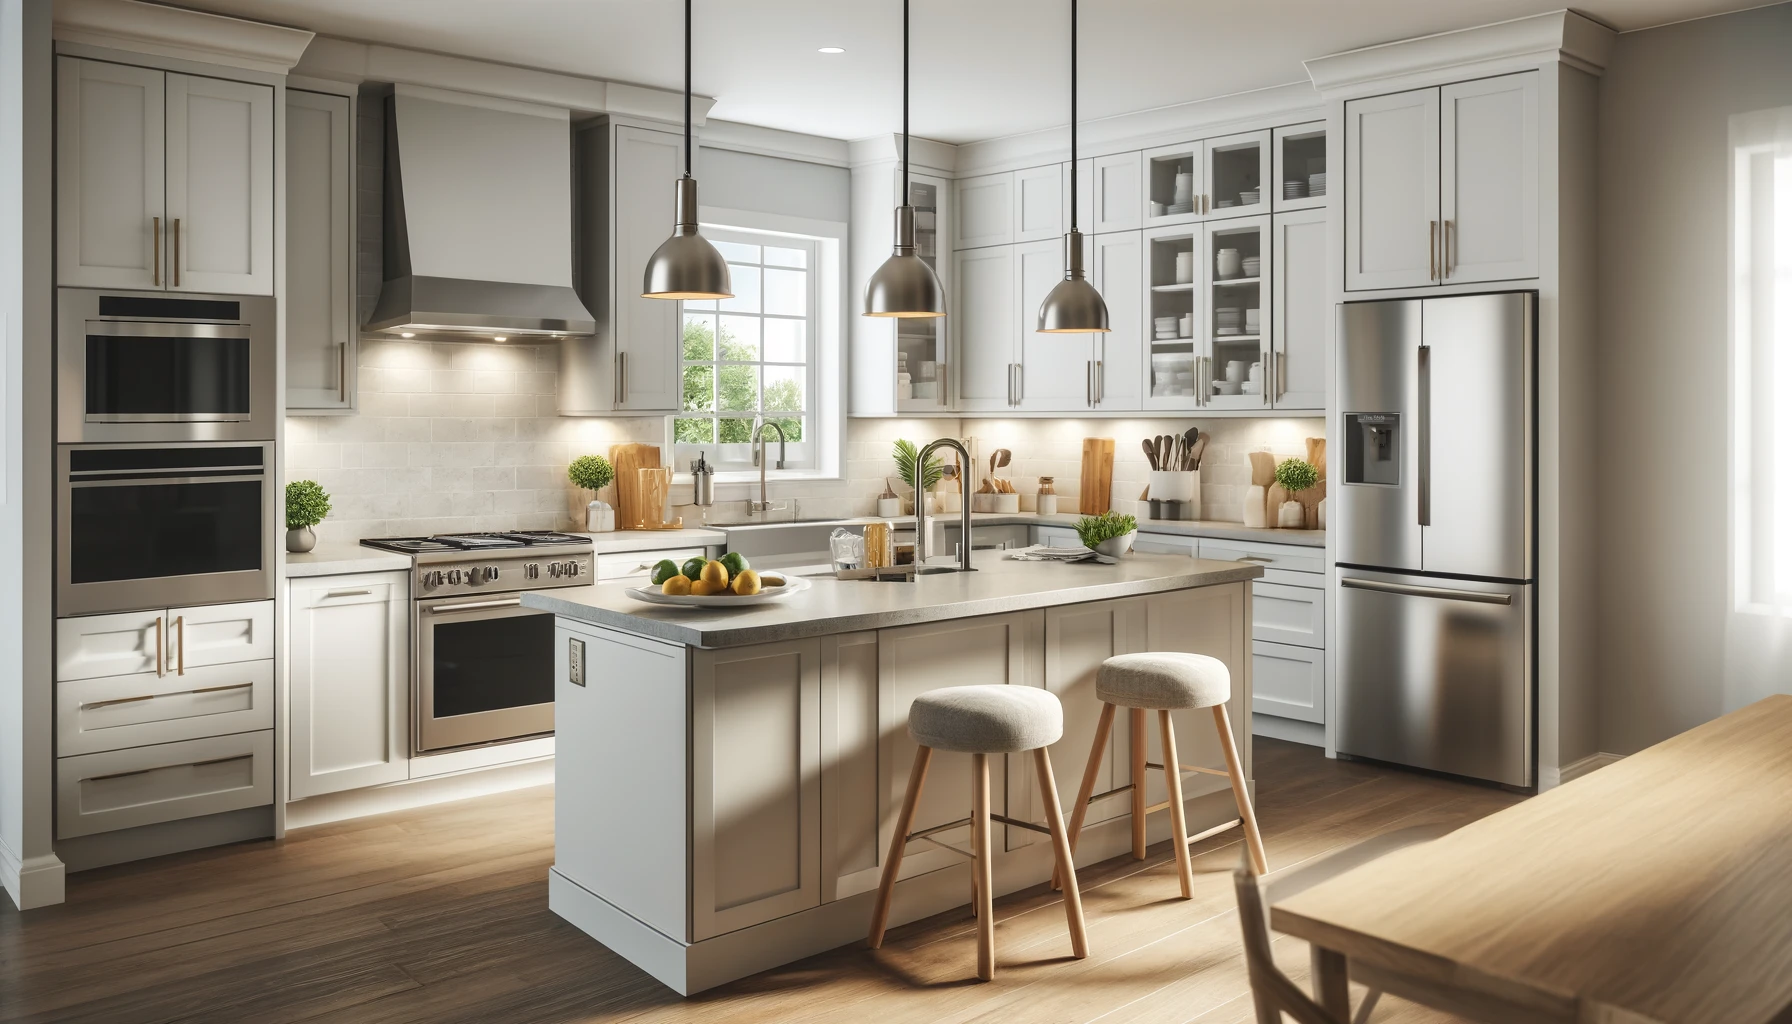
(763, 184)
(1673, 653)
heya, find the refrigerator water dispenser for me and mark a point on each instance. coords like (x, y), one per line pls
(1372, 448)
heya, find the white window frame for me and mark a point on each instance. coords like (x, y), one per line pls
(821, 452)
(1761, 361)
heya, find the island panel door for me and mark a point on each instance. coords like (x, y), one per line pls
(852, 853)
(755, 784)
(1214, 621)
(912, 660)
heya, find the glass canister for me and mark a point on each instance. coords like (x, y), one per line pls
(1046, 504)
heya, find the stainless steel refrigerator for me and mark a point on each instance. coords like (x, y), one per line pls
(1434, 524)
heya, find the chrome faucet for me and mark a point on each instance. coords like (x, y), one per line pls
(764, 505)
(964, 505)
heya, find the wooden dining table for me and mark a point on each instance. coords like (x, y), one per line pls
(1656, 889)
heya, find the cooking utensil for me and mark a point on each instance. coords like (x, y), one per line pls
(1199, 451)
(1193, 435)
(1150, 447)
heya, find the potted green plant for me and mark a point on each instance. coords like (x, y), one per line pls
(1109, 534)
(907, 455)
(594, 473)
(306, 505)
(1294, 476)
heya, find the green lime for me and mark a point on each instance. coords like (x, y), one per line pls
(735, 563)
(693, 567)
(664, 570)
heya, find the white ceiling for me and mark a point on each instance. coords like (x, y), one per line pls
(982, 68)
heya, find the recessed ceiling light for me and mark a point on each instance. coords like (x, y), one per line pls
(499, 337)
(406, 334)
(831, 49)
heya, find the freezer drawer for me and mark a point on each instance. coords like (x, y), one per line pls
(1435, 674)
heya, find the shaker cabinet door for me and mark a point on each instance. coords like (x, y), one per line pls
(111, 228)
(1057, 371)
(646, 331)
(1391, 191)
(320, 252)
(1302, 314)
(349, 680)
(985, 211)
(985, 304)
(1117, 266)
(1490, 211)
(220, 186)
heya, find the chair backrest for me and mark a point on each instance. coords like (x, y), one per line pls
(1273, 993)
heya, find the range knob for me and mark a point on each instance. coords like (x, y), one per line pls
(491, 572)
(454, 577)
(431, 578)
(532, 571)
(555, 569)
(572, 568)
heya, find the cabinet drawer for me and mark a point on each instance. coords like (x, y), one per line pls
(133, 711)
(89, 646)
(143, 785)
(1288, 681)
(639, 563)
(1278, 560)
(220, 634)
(1166, 544)
(1289, 615)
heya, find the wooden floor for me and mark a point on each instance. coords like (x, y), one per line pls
(440, 915)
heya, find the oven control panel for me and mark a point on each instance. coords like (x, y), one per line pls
(503, 573)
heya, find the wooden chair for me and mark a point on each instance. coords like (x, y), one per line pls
(1271, 990)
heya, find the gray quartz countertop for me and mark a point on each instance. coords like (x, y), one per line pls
(832, 606)
(620, 541)
(339, 558)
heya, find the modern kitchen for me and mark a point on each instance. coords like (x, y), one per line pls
(535, 512)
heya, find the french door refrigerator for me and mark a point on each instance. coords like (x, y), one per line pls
(1435, 526)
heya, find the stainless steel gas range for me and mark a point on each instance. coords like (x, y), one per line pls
(483, 665)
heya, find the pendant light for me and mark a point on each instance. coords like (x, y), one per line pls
(686, 266)
(1073, 306)
(905, 286)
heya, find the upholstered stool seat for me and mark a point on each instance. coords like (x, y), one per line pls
(993, 719)
(1167, 681)
(984, 722)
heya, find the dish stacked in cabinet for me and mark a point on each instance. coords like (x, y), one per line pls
(163, 714)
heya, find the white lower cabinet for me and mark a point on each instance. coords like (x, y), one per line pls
(755, 784)
(1289, 681)
(1289, 615)
(349, 682)
(112, 712)
(117, 789)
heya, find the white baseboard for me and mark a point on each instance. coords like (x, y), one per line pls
(1591, 763)
(33, 883)
(1277, 728)
(402, 796)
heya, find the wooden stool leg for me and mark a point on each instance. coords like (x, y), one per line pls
(1139, 751)
(880, 912)
(1080, 809)
(1054, 817)
(975, 910)
(986, 920)
(1252, 837)
(1178, 823)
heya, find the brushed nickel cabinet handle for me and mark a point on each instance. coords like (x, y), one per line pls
(180, 655)
(1101, 382)
(176, 261)
(1449, 247)
(621, 378)
(1431, 239)
(342, 373)
(160, 659)
(1089, 382)
(165, 767)
(155, 276)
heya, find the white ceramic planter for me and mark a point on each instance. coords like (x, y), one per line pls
(300, 540)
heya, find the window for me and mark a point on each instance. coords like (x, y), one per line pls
(1761, 345)
(753, 355)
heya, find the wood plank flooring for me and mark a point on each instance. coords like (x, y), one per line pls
(440, 915)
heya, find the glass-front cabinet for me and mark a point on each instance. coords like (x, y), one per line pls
(1235, 254)
(1175, 315)
(1175, 184)
(899, 365)
(1237, 170)
(921, 353)
(1299, 176)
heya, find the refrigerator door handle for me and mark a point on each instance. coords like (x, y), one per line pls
(1440, 593)
(1424, 435)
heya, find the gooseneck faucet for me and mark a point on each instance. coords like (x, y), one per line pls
(964, 505)
(764, 503)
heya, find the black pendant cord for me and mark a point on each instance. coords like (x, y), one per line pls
(1073, 115)
(687, 88)
(904, 102)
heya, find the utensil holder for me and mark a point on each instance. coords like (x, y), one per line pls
(1003, 502)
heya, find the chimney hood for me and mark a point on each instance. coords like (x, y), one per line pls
(478, 221)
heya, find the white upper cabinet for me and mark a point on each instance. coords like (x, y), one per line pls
(320, 252)
(1174, 180)
(984, 304)
(1116, 266)
(986, 206)
(1490, 179)
(1057, 370)
(110, 219)
(220, 152)
(1110, 198)
(1238, 174)
(1039, 203)
(646, 331)
(1302, 314)
(165, 181)
(1391, 191)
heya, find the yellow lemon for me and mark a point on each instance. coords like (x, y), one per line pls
(708, 588)
(676, 584)
(716, 573)
(771, 581)
(747, 583)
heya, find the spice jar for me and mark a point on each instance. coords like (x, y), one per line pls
(1046, 504)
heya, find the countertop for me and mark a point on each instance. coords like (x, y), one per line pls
(338, 558)
(653, 540)
(833, 606)
(1215, 528)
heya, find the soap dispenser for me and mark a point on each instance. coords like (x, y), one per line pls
(703, 482)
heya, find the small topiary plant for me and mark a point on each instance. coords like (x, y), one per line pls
(306, 504)
(592, 472)
(1296, 475)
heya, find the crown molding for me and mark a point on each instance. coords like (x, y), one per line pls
(1559, 36)
(1145, 129)
(139, 27)
(773, 142)
(344, 60)
(925, 155)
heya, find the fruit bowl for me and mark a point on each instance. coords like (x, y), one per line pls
(649, 593)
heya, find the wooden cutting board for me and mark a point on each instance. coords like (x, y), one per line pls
(1096, 492)
(627, 458)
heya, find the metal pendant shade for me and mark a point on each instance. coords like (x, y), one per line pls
(1074, 306)
(905, 286)
(686, 266)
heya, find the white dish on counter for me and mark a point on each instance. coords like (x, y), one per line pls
(650, 594)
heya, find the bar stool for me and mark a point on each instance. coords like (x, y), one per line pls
(981, 721)
(1166, 682)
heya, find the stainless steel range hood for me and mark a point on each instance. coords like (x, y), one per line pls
(478, 221)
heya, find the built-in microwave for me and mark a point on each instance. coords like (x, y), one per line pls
(163, 525)
(151, 366)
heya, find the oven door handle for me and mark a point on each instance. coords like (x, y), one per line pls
(473, 607)
(151, 481)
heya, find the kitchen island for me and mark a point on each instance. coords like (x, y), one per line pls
(727, 782)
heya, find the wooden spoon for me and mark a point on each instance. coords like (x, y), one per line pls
(1150, 451)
